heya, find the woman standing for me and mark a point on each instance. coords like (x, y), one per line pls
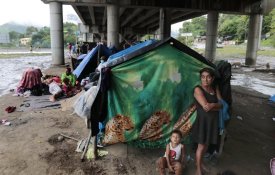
(205, 128)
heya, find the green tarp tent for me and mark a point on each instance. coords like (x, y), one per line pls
(151, 93)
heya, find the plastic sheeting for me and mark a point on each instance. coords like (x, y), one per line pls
(89, 62)
(152, 94)
(131, 49)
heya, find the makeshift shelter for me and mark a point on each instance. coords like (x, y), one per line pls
(149, 92)
(131, 49)
(31, 80)
(77, 61)
(91, 61)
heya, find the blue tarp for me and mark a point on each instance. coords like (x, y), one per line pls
(89, 63)
(81, 57)
(131, 49)
(272, 98)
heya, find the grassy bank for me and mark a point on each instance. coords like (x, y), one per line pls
(239, 51)
(21, 55)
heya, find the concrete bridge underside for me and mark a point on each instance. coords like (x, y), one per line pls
(122, 20)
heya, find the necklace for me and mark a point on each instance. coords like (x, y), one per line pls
(211, 92)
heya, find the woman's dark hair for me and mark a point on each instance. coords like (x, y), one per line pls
(209, 70)
(177, 132)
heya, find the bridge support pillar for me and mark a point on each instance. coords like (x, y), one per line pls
(113, 25)
(253, 39)
(57, 39)
(211, 35)
(164, 23)
(84, 36)
(138, 37)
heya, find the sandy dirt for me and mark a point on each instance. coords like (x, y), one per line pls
(30, 146)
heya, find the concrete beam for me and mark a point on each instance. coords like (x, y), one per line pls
(150, 21)
(135, 31)
(92, 14)
(145, 16)
(94, 29)
(78, 2)
(79, 14)
(83, 28)
(104, 19)
(152, 26)
(267, 6)
(241, 6)
(187, 16)
(131, 16)
(121, 11)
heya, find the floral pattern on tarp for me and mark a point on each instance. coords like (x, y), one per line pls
(155, 91)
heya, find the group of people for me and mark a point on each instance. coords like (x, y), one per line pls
(204, 131)
(74, 48)
(80, 48)
(66, 85)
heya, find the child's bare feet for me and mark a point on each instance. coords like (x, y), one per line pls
(205, 169)
(198, 172)
(52, 99)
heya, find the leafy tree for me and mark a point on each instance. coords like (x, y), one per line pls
(42, 38)
(232, 26)
(14, 36)
(30, 31)
(272, 28)
(228, 26)
(186, 27)
(242, 27)
(266, 23)
(69, 32)
(197, 26)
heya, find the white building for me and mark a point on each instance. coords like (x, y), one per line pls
(4, 38)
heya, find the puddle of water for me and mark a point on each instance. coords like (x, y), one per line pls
(12, 70)
(250, 82)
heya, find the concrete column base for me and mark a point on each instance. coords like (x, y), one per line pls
(211, 35)
(253, 40)
(57, 39)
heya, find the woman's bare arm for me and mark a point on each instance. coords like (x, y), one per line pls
(199, 96)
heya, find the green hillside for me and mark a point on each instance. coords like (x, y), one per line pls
(8, 27)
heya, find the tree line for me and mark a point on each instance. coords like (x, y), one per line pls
(230, 27)
(40, 37)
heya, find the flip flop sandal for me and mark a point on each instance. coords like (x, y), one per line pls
(8, 108)
(11, 109)
(27, 105)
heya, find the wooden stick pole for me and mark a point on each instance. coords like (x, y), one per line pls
(86, 146)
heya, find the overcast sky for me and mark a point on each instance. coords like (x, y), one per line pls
(35, 12)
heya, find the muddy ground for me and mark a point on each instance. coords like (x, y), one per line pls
(30, 144)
